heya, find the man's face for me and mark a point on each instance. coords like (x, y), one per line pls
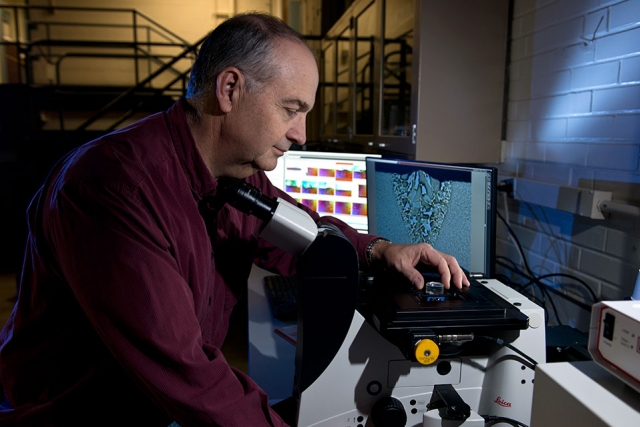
(263, 125)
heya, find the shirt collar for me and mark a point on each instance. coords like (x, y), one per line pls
(202, 182)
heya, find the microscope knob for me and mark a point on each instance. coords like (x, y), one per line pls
(388, 412)
(426, 351)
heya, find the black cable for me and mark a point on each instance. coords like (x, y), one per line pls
(586, 307)
(538, 280)
(521, 287)
(509, 346)
(546, 296)
(530, 272)
(517, 242)
(582, 282)
(513, 267)
(549, 231)
(490, 420)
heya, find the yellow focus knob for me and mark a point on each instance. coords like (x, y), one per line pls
(426, 351)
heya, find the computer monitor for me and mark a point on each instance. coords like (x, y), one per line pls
(450, 206)
(327, 182)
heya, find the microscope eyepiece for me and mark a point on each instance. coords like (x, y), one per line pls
(247, 198)
(284, 224)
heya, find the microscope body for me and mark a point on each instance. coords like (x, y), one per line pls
(349, 373)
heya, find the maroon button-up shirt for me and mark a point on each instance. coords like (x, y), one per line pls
(129, 281)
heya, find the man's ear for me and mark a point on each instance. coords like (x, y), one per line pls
(227, 89)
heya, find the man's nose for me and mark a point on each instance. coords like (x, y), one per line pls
(298, 132)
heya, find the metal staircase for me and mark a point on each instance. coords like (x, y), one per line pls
(74, 58)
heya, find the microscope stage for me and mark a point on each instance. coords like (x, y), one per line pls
(469, 310)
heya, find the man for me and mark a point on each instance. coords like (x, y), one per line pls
(132, 269)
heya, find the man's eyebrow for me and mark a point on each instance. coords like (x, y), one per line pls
(302, 106)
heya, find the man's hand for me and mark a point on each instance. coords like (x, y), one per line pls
(404, 258)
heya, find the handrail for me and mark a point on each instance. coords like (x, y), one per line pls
(98, 9)
(24, 28)
(106, 25)
(132, 111)
(84, 43)
(141, 84)
(155, 58)
(163, 27)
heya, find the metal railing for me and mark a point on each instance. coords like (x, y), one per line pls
(159, 60)
(135, 36)
(129, 92)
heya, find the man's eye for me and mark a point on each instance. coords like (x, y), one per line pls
(291, 112)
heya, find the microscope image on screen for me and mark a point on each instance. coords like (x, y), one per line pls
(428, 208)
(424, 202)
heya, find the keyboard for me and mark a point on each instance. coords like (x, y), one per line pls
(282, 296)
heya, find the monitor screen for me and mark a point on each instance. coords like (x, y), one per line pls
(452, 207)
(329, 183)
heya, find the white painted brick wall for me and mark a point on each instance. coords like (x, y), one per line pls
(574, 119)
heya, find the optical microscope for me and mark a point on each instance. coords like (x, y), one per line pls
(372, 351)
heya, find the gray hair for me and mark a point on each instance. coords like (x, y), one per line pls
(245, 41)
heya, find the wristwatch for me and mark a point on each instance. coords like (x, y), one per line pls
(372, 243)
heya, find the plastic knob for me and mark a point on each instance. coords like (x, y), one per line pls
(426, 351)
(388, 412)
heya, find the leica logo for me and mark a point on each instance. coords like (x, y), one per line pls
(501, 402)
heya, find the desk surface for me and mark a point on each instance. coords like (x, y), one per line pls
(271, 357)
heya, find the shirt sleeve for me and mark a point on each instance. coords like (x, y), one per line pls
(120, 266)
